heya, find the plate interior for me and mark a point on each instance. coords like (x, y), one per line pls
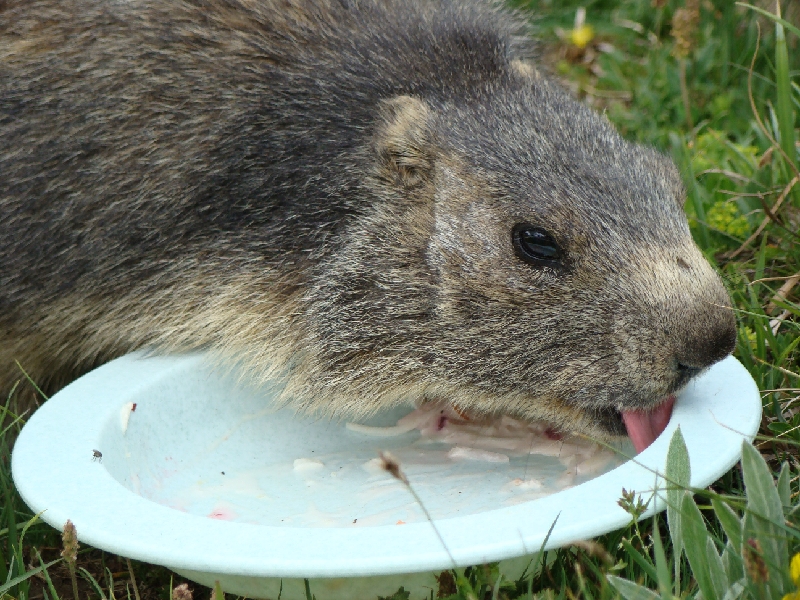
(231, 456)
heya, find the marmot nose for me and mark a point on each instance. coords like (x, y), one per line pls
(706, 344)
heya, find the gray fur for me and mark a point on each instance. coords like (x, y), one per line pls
(325, 190)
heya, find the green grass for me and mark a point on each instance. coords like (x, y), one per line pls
(726, 110)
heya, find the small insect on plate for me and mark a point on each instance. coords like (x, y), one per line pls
(206, 477)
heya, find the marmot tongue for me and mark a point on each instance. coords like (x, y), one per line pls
(644, 427)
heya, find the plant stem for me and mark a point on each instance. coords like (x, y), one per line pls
(133, 580)
(784, 100)
(685, 94)
(74, 579)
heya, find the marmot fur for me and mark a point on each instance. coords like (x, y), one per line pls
(379, 200)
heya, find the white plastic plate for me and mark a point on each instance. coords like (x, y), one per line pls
(206, 477)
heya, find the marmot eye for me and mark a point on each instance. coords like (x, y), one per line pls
(535, 246)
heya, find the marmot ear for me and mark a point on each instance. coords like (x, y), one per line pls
(403, 140)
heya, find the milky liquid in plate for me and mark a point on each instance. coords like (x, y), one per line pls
(456, 465)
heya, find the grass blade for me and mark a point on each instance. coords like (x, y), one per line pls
(93, 582)
(784, 100)
(662, 567)
(786, 24)
(716, 570)
(784, 492)
(678, 474)
(630, 590)
(732, 563)
(765, 515)
(734, 592)
(729, 520)
(25, 576)
(695, 535)
(46, 576)
(640, 560)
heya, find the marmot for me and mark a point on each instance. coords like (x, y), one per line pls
(378, 200)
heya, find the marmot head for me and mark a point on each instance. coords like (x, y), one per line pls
(520, 257)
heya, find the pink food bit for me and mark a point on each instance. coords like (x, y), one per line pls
(222, 514)
(553, 434)
(441, 422)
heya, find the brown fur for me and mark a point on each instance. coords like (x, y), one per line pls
(325, 191)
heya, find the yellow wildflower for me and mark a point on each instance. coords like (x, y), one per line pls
(752, 338)
(581, 33)
(725, 216)
(581, 36)
(794, 572)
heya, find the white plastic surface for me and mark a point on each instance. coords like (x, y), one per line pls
(206, 477)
